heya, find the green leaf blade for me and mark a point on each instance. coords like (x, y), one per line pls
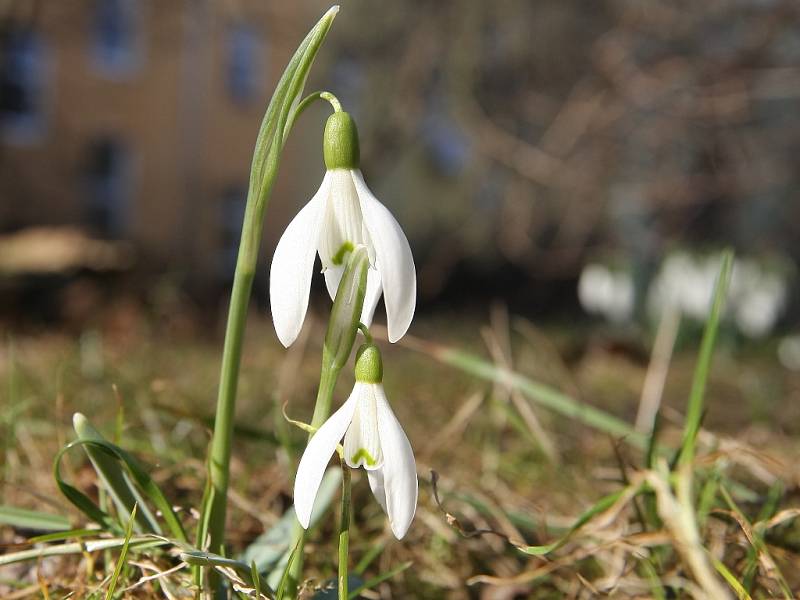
(22, 518)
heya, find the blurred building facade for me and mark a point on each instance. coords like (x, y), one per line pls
(135, 119)
(515, 141)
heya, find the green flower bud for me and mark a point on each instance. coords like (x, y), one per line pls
(369, 366)
(340, 142)
(346, 311)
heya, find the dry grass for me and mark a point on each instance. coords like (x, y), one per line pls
(510, 475)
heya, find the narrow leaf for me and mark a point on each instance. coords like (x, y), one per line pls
(139, 475)
(22, 518)
(731, 579)
(243, 570)
(112, 477)
(139, 542)
(122, 555)
(63, 535)
(694, 413)
(283, 586)
(600, 506)
(371, 583)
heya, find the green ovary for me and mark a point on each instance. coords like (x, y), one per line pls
(338, 258)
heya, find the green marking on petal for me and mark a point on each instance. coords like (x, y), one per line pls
(338, 258)
(363, 453)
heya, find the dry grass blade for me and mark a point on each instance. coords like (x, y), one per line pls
(501, 355)
(678, 515)
(657, 370)
(455, 426)
(157, 575)
(544, 395)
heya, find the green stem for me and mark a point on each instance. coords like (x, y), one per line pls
(339, 339)
(365, 330)
(327, 383)
(220, 453)
(308, 101)
(269, 144)
(344, 532)
(337, 107)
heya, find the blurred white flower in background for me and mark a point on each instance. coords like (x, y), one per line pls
(605, 292)
(758, 295)
(789, 352)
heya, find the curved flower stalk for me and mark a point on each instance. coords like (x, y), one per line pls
(373, 439)
(342, 215)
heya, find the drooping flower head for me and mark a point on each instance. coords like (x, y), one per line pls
(373, 439)
(342, 215)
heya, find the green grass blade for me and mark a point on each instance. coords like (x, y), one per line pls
(123, 554)
(371, 583)
(32, 519)
(138, 542)
(731, 580)
(600, 506)
(112, 477)
(139, 475)
(708, 495)
(756, 549)
(286, 578)
(256, 578)
(371, 554)
(63, 535)
(694, 412)
(243, 570)
(80, 500)
(539, 393)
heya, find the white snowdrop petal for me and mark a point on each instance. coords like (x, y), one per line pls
(344, 228)
(316, 456)
(333, 275)
(373, 294)
(376, 485)
(393, 259)
(399, 468)
(362, 447)
(292, 267)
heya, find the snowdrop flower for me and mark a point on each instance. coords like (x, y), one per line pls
(373, 439)
(341, 215)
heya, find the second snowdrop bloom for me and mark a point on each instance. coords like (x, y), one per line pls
(373, 439)
(342, 215)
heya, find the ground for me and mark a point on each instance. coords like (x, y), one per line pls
(507, 467)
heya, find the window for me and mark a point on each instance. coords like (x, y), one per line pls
(244, 63)
(232, 206)
(109, 181)
(22, 82)
(116, 48)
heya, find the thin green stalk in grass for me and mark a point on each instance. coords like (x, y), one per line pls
(123, 554)
(32, 519)
(757, 550)
(344, 531)
(269, 144)
(694, 412)
(379, 579)
(82, 547)
(10, 414)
